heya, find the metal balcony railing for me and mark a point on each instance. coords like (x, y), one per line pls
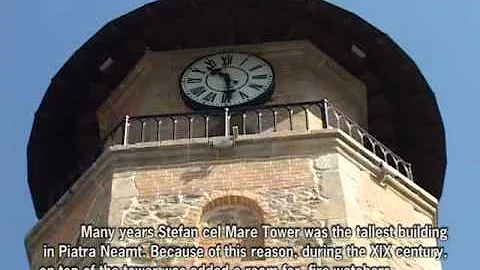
(250, 120)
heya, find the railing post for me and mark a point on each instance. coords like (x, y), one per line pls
(227, 123)
(174, 128)
(307, 122)
(126, 129)
(290, 120)
(190, 127)
(143, 130)
(409, 171)
(234, 134)
(259, 121)
(274, 121)
(244, 123)
(159, 125)
(207, 118)
(325, 108)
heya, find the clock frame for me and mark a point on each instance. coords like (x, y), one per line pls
(227, 79)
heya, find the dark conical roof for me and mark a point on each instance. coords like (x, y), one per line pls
(402, 111)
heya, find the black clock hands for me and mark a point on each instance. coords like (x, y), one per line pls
(218, 71)
(228, 81)
(229, 91)
(214, 71)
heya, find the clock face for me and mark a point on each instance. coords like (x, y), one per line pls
(227, 79)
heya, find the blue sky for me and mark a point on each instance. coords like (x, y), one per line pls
(37, 37)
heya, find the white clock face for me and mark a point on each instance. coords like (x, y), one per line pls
(227, 79)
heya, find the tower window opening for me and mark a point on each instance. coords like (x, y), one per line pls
(239, 222)
(358, 52)
(106, 64)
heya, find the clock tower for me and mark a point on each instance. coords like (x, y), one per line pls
(184, 116)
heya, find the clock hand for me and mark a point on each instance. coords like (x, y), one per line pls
(214, 71)
(227, 78)
(228, 81)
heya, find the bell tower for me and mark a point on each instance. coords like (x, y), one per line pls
(255, 119)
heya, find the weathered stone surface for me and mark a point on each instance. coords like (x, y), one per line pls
(319, 190)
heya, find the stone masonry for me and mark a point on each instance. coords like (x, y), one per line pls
(326, 179)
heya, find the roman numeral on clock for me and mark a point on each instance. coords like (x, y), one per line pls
(227, 60)
(210, 63)
(210, 97)
(197, 91)
(198, 71)
(255, 86)
(224, 97)
(255, 67)
(243, 95)
(193, 80)
(259, 77)
(244, 60)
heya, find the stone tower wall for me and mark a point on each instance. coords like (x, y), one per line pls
(322, 182)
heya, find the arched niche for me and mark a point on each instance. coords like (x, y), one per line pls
(233, 210)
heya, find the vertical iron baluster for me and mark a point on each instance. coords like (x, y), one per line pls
(307, 124)
(207, 118)
(274, 121)
(349, 127)
(290, 118)
(159, 124)
(174, 128)
(325, 107)
(126, 129)
(190, 127)
(122, 135)
(142, 132)
(370, 144)
(234, 134)
(227, 123)
(397, 161)
(360, 134)
(259, 120)
(374, 148)
(244, 123)
(384, 154)
(337, 119)
(409, 171)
